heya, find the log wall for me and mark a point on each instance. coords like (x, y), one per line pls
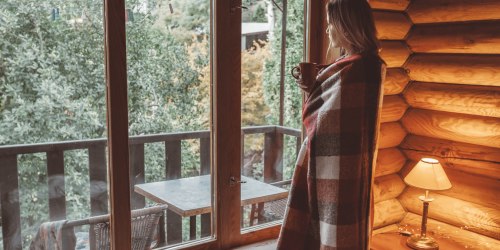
(441, 100)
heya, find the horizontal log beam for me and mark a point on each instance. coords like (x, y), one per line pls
(479, 38)
(460, 69)
(412, 222)
(437, 11)
(387, 212)
(450, 149)
(470, 216)
(476, 189)
(391, 25)
(473, 129)
(465, 99)
(394, 53)
(393, 108)
(391, 135)
(395, 81)
(387, 187)
(389, 161)
(389, 4)
(481, 168)
(390, 228)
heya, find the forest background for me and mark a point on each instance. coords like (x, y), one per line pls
(52, 87)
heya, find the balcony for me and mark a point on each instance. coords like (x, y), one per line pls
(170, 232)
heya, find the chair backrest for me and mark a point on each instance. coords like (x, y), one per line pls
(144, 222)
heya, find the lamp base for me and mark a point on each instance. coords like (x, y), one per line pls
(416, 242)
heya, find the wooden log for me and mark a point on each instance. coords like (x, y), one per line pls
(389, 4)
(387, 187)
(389, 161)
(394, 53)
(470, 216)
(387, 212)
(450, 149)
(412, 222)
(395, 81)
(480, 38)
(438, 11)
(390, 228)
(460, 69)
(477, 189)
(481, 168)
(465, 99)
(453, 126)
(393, 108)
(468, 187)
(391, 25)
(391, 135)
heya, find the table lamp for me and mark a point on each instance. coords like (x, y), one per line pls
(428, 174)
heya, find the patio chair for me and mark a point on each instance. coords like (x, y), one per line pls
(144, 224)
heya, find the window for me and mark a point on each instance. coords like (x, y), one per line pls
(107, 109)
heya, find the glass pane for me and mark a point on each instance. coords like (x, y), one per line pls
(168, 67)
(268, 149)
(52, 118)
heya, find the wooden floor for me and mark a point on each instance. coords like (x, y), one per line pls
(379, 242)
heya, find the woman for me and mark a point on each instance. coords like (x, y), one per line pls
(330, 204)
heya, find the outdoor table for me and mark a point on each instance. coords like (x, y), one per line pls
(192, 196)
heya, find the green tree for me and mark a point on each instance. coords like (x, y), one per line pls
(293, 94)
(52, 88)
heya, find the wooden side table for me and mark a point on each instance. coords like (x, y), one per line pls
(395, 241)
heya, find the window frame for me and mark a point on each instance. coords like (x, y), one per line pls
(225, 129)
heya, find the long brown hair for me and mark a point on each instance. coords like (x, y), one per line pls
(354, 17)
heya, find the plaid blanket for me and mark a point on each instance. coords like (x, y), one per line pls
(50, 237)
(330, 206)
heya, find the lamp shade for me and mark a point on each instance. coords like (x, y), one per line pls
(428, 174)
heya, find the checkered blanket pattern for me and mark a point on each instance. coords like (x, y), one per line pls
(330, 206)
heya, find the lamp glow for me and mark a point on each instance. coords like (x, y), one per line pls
(428, 174)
